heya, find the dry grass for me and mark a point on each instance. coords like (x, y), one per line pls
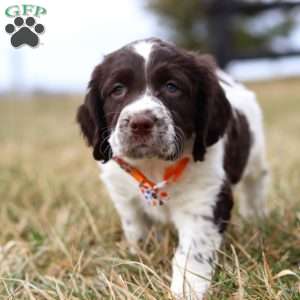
(61, 238)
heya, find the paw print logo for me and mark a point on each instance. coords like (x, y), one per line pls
(24, 33)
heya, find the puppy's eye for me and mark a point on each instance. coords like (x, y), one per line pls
(118, 90)
(171, 87)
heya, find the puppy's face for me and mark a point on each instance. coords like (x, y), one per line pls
(147, 99)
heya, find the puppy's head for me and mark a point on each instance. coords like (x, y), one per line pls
(148, 98)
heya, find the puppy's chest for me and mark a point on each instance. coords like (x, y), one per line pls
(189, 192)
(160, 213)
(163, 213)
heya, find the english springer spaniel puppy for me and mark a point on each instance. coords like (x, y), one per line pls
(173, 136)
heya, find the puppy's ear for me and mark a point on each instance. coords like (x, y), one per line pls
(91, 118)
(213, 110)
(86, 124)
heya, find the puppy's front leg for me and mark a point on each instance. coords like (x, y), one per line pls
(134, 222)
(200, 236)
(195, 257)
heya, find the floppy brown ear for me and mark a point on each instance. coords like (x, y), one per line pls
(213, 109)
(86, 124)
(91, 119)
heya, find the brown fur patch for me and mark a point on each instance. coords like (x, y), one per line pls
(237, 149)
(224, 205)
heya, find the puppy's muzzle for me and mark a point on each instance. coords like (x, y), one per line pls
(141, 124)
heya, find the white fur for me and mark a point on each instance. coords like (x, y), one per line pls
(193, 197)
(146, 102)
(143, 48)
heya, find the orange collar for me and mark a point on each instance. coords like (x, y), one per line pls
(151, 191)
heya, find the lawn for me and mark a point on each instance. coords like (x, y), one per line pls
(60, 237)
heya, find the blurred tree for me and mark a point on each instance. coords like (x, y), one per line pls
(226, 28)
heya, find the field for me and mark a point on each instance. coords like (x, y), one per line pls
(60, 237)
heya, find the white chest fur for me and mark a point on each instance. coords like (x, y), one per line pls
(195, 184)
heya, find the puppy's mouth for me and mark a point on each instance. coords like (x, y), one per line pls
(153, 146)
(145, 136)
(142, 147)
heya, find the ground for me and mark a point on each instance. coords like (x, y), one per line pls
(61, 238)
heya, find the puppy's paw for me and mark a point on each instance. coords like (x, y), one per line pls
(186, 292)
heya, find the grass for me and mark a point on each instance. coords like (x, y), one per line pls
(60, 237)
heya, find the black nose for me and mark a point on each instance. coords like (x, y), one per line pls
(141, 124)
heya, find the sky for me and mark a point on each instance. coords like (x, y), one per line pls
(78, 34)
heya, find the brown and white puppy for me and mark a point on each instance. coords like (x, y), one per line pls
(152, 103)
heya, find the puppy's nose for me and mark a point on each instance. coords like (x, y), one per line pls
(141, 124)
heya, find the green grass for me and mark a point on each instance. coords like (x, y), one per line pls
(60, 237)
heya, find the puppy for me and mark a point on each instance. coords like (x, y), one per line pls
(173, 136)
